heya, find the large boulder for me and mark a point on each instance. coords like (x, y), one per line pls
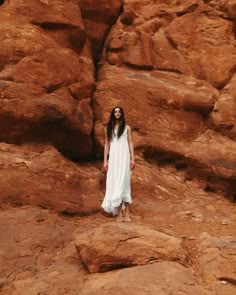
(40, 175)
(158, 278)
(46, 77)
(120, 245)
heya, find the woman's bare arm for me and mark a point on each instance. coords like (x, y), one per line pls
(106, 150)
(131, 148)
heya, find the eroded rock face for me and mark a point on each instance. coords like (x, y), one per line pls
(98, 16)
(217, 262)
(158, 278)
(223, 118)
(184, 37)
(165, 64)
(36, 254)
(47, 76)
(113, 246)
(39, 175)
(173, 108)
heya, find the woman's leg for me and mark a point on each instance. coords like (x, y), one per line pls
(120, 215)
(127, 216)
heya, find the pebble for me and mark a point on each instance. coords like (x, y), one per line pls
(223, 282)
(226, 221)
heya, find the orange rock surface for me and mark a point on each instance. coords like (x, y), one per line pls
(64, 65)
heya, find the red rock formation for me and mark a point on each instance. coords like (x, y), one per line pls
(157, 278)
(39, 175)
(153, 52)
(113, 246)
(98, 16)
(171, 65)
(45, 89)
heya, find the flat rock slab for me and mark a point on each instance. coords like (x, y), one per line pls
(160, 278)
(117, 245)
(218, 257)
(217, 261)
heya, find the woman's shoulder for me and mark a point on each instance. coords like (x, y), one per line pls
(128, 127)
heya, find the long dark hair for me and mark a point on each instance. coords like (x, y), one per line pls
(112, 121)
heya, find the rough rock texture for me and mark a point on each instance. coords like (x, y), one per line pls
(36, 255)
(223, 117)
(121, 245)
(98, 16)
(189, 37)
(218, 262)
(63, 67)
(218, 257)
(174, 129)
(171, 67)
(46, 77)
(39, 175)
(158, 278)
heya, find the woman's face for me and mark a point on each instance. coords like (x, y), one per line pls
(117, 113)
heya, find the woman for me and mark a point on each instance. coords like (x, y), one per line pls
(119, 146)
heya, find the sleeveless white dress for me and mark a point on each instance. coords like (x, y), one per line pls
(118, 175)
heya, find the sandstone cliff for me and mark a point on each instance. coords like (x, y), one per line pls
(63, 66)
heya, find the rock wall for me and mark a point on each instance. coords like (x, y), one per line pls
(170, 65)
(63, 66)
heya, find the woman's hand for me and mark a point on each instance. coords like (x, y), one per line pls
(105, 165)
(132, 164)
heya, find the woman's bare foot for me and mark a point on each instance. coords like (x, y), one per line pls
(127, 218)
(119, 218)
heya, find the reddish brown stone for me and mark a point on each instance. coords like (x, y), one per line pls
(43, 56)
(39, 175)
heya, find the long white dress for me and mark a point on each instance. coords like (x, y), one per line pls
(118, 175)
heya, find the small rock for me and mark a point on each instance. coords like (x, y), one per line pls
(3, 282)
(226, 221)
(192, 238)
(197, 219)
(223, 282)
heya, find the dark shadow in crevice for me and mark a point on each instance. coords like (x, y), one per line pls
(228, 280)
(209, 189)
(169, 70)
(2, 2)
(171, 42)
(190, 9)
(53, 26)
(234, 29)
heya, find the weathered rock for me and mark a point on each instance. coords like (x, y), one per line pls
(43, 58)
(226, 8)
(173, 127)
(201, 45)
(118, 245)
(36, 253)
(158, 278)
(217, 262)
(98, 17)
(214, 155)
(154, 94)
(218, 257)
(39, 175)
(188, 37)
(223, 116)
